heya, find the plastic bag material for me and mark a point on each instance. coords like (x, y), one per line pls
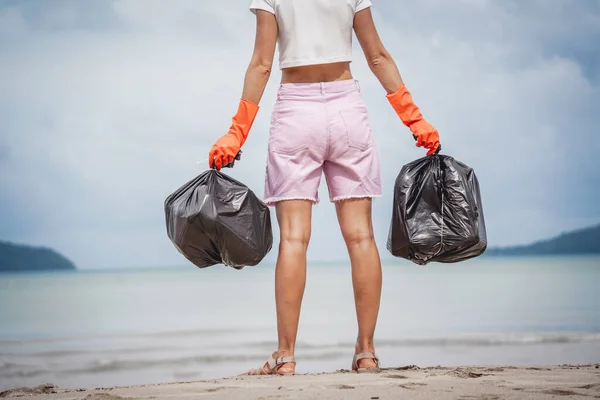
(214, 219)
(437, 215)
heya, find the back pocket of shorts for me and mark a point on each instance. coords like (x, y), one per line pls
(288, 134)
(358, 128)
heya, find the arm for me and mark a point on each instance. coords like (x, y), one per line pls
(380, 61)
(259, 69)
(257, 75)
(384, 68)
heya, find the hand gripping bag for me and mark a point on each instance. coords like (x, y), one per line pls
(214, 219)
(437, 213)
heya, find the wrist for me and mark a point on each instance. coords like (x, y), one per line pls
(402, 102)
(249, 105)
(243, 120)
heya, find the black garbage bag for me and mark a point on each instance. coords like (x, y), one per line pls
(214, 219)
(437, 213)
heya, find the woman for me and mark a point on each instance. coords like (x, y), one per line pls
(320, 125)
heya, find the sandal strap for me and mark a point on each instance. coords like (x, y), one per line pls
(272, 365)
(361, 356)
(275, 362)
(285, 360)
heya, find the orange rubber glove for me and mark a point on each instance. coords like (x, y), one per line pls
(228, 146)
(425, 134)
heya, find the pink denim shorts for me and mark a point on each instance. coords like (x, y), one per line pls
(316, 129)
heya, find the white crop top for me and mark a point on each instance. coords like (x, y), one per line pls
(313, 31)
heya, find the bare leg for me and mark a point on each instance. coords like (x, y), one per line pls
(354, 216)
(294, 219)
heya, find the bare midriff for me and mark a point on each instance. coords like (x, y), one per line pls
(317, 73)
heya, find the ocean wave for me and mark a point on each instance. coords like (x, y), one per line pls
(492, 340)
(187, 333)
(113, 361)
(272, 344)
(111, 365)
(460, 340)
(11, 370)
(129, 335)
(5, 365)
(22, 374)
(85, 352)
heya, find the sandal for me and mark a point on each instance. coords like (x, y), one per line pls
(372, 370)
(271, 367)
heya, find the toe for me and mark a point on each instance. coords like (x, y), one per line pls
(287, 368)
(367, 363)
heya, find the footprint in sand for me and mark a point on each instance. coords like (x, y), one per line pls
(106, 396)
(412, 385)
(561, 392)
(464, 373)
(590, 386)
(212, 390)
(494, 369)
(396, 376)
(28, 391)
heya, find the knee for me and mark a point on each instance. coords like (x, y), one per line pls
(359, 237)
(295, 241)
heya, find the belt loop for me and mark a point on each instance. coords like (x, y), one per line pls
(322, 88)
(357, 85)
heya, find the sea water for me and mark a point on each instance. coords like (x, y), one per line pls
(106, 328)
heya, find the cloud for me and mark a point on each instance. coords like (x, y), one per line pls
(107, 106)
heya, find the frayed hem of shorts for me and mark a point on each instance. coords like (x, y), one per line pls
(357, 196)
(273, 201)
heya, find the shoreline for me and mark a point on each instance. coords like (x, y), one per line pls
(408, 382)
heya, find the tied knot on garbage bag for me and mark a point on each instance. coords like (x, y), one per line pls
(437, 214)
(214, 219)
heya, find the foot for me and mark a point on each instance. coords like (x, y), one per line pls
(286, 368)
(278, 364)
(365, 362)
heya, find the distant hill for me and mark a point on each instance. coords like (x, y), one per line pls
(583, 241)
(15, 258)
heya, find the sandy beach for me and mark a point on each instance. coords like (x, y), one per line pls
(410, 382)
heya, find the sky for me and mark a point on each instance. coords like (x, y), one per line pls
(106, 107)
